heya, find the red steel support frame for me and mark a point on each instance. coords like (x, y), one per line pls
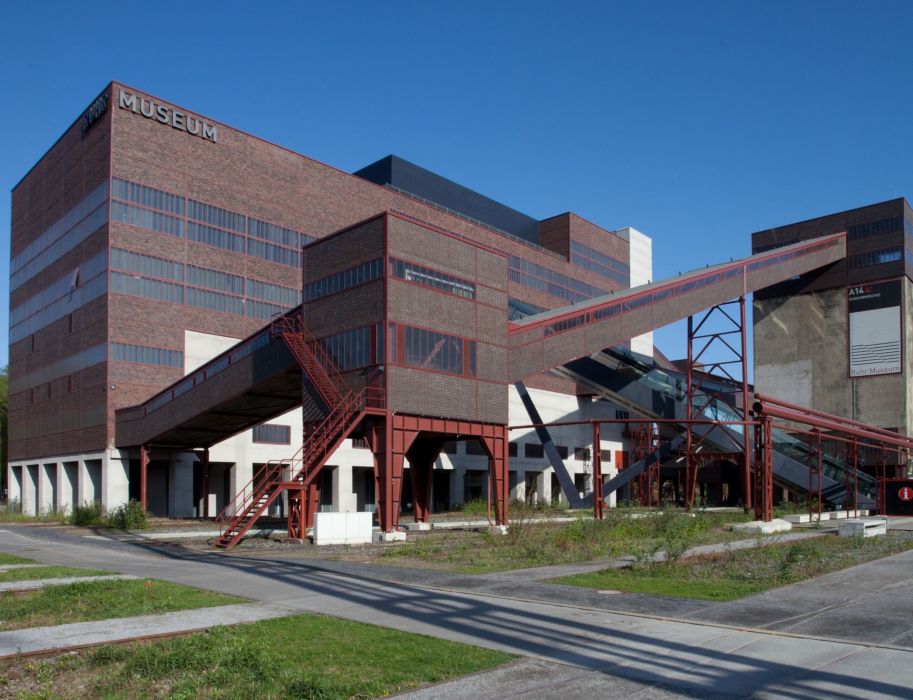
(143, 469)
(394, 437)
(711, 341)
(598, 498)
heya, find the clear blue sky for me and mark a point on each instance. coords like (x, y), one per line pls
(695, 122)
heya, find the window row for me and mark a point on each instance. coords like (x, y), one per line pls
(216, 237)
(271, 434)
(623, 278)
(873, 228)
(426, 349)
(286, 296)
(215, 301)
(432, 278)
(87, 291)
(62, 286)
(273, 253)
(340, 281)
(146, 265)
(517, 309)
(143, 354)
(356, 348)
(216, 216)
(535, 276)
(277, 234)
(61, 237)
(164, 212)
(263, 310)
(876, 257)
(215, 279)
(147, 288)
(148, 197)
(146, 218)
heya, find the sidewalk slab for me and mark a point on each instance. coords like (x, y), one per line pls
(82, 634)
(37, 583)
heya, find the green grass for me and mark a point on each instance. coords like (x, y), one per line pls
(734, 574)
(100, 600)
(306, 656)
(532, 543)
(40, 572)
(13, 559)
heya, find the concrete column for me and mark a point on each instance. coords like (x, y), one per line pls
(47, 487)
(180, 496)
(344, 500)
(14, 483)
(30, 489)
(544, 486)
(456, 487)
(519, 490)
(68, 483)
(115, 480)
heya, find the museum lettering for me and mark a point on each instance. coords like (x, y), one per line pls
(166, 115)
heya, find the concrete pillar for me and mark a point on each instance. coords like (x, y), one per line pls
(30, 489)
(14, 484)
(180, 496)
(456, 487)
(544, 486)
(47, 487)
(115, 480)
(344, 499)
(67, 485)
(519, 491)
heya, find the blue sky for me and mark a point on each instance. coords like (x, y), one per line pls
(695, 122)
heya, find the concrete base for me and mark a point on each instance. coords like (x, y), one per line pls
(389, 537)
(759, 527)
(838, 515)
(342, 528)
(863, 527)
(801, 518)
(417, 527)
(498, 529)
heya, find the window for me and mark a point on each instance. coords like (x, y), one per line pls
(621, 415)
(876, 257)
(284, 296)
(214, 279)
(582, 454)
(873, 228)
(214, 237)
(511, 449)
(359, 443)
(449, 448)
(273, 434)
(346, 279)
(562, 451)
(355, 348)
(147, 288)
(432, 278)
(535, 276)
(430, 350)
(142, 354)
(216, 301)
(144, 218)
(533, 450)
(147, 197)
(600, 263)
(146, 265)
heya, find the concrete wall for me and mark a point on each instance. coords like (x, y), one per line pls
(801, 356)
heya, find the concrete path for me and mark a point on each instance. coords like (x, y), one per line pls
(80, 634)
(33, 584)
(14, 567)
(683, 657)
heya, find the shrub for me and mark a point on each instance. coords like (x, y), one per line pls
(128, 516)
(87, 515)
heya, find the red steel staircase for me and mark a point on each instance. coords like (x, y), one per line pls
(346, 408)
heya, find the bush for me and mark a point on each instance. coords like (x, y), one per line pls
(87, 515)
(129, 516)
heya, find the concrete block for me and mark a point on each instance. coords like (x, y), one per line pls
(862, 513)
(389, 537)
(417, 527)
(838, 514)
(342, 528)
(863, 527)
(799, 518)
(759, 527)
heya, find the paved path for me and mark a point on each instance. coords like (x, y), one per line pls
(606, 651)
(32, 584)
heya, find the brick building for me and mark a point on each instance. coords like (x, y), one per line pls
(150, 239)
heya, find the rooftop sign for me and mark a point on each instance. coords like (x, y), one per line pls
(164, 114)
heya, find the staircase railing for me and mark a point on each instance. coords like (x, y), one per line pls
(312, 356)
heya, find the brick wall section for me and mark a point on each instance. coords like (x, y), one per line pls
(240, 173)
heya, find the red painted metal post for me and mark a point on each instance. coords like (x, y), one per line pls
(746, 399)
(598, 499)
(143, 469)
(690, 466)
(204, 478)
